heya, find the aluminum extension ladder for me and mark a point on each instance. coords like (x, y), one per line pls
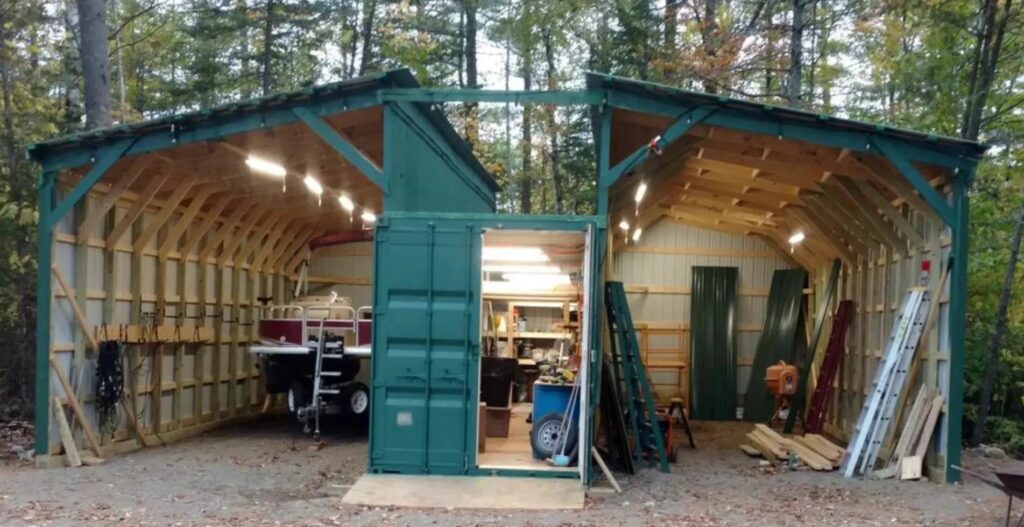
(324, 350)
(629, 372)
(877, 412)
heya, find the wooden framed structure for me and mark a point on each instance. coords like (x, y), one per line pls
(175, 193)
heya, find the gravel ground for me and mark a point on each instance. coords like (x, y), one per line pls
(265, 474)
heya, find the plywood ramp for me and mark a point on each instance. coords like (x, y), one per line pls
(466, 492)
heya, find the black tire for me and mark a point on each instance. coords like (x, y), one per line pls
(355, 403)
(275, 379)
(298, 397)
(546, 436)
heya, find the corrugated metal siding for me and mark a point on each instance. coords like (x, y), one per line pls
(674, 270)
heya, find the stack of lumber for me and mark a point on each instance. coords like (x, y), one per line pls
(812, 450)
(907, 457)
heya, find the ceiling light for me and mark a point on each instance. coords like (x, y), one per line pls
(641, 190)
(797, 237)
(624, 225)
(266, 167)
(636, 234)
(346, 203)
(548, 280)
(368, 216)
(515, 254)
(313, 185)
(527, 269)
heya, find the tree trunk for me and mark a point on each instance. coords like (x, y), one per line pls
(553, 155)
(369, 10)
(985, 63)
(988, 382)
(472, 82)
(709, 39)
(526, 189)
(794, 77)
(92, 21)
(671, 24)
(268, 48)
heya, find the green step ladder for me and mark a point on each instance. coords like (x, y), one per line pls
(631, 381)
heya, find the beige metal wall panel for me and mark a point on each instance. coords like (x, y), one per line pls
(665, 257)
(352, 260)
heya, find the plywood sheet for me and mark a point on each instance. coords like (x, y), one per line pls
(466, 492)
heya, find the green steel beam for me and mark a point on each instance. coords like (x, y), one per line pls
(726, 117)
(555, 97)
(674, 131)
(957, 325)
(903, 164)
(343, 147)
(108, 156)
(62, 158)
(47, 197)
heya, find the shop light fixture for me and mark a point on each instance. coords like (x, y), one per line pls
(514, 254)
(267, 167)
(368, 216)
(538, 280)
(313, 185)
(624, 225)
(641, 190)
(797, 237)
(521, 269)
(346, 203)
(636, 234)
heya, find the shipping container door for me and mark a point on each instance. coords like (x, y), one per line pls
(425, 344)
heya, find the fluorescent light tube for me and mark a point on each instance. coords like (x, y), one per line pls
(266, 167)
(346, 203)
(515, 254)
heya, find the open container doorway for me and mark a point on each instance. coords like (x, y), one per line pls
(533, 342)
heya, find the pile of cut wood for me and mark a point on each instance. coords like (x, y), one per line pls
(812, 450)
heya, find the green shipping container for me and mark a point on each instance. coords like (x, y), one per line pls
(427, 324)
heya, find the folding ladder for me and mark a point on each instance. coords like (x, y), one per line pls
(324, 350)
(877, 411)
(629, 373)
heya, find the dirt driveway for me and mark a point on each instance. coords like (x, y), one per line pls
(265, 474)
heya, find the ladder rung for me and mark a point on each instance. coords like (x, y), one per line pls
(330, 374)
(329, 391)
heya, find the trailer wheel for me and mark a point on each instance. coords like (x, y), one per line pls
(355, 403)
(298, 398)
(547, 436)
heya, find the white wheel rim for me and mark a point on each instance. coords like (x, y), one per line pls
(359, 401)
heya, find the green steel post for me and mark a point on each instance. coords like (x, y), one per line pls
(604, 143)
(47, 196)
(957, 325)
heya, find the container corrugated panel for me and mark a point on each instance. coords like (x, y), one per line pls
(425, 355)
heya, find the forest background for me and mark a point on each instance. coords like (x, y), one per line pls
(950, 67)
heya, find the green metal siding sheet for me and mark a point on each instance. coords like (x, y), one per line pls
(424, 171)
(713, 343)
(781, 339)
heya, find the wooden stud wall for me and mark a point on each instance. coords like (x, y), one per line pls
(131, 257)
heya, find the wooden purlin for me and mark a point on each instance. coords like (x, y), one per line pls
(844, 230)
(226, 228)
(185, 221)
(887, 209)
(197, 233)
